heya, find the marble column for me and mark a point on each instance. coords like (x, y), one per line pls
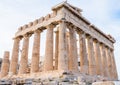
(73, 55)
(5, 65)
(109, 62)
(24, 55)
(15, 55)
(62, 58)
(114, 69)
(48, 62)
(97, 57)
(104, 61)
(83, 53)
(36, 52)
(68, 48)
(91, 57)
(56, 49)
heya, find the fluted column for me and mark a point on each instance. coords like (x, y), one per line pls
(24, 55)
(48, 62)
(110, 66)
(68, 48)
(36, 52)
(104, 61)
(83, 53)
(14, 59)
(109, 62)
(56, 49)
(98, 57)
(91, 57)
(73, 50)
(114, 69)
(5, 65)
(62, 58)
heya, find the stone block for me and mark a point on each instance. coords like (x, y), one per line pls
(104, 83)
(41, 20)
(30, 24)
(35, 22)
(47, 17)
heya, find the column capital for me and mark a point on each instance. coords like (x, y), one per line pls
(17, 38)
(50, 26)
(111, 49)
(69, 25)
(27, 35)
(103, 45)
(80, 32)
(89, 36)
(95, 40)
(63, 21)
(38, 31)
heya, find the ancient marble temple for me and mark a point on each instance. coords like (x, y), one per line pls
(73, 31)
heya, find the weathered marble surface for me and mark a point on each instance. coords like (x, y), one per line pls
(91, 59)
(104, 83)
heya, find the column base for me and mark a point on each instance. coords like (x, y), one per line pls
(52, 76)
(84, 69)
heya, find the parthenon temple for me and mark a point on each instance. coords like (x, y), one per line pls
(79, 47)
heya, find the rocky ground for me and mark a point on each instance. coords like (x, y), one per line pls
(65, 79)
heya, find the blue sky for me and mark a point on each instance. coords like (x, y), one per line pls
(105, 14)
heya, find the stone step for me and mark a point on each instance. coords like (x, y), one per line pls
(104, 83)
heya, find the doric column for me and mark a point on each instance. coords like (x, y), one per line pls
(83, 53)
(91, 57)
(56, 49)
(68, 48)
(114, 69)
(104, 61)
(24, 55)
(48, 62)
(62, 58)
(97, 57)
(109, 62)
(36, 52)
(73, 56)
(5, 65)
(14, 59)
